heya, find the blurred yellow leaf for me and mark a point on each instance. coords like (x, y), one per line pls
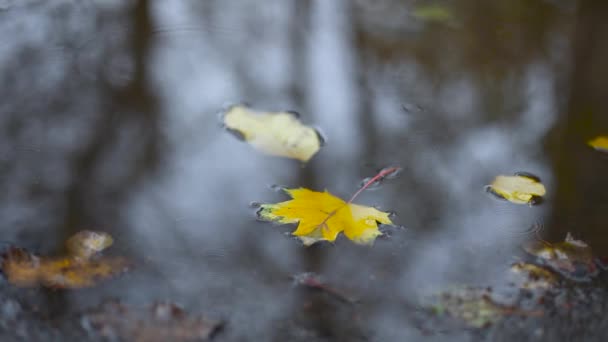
(599, 143)
(280, 134)
(78, 269)
(436, 13)
(520, 188)
(322, 216)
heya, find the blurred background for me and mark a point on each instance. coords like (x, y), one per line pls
(110, 120)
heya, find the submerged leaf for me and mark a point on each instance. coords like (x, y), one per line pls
(160, 322)
(533, 277)
(435, 13)
(571, 258)
(599, 143)
(472, 305)
(520, 188)
(87, 243)
(77, 270)
(322, 216)
(280, 134)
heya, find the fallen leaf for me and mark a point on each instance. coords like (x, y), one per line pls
(599, 143)
(322, 216)
(280, 134)
(78, 270)
(572, 258)
(521, 188)
(532, 277)
(159, 322)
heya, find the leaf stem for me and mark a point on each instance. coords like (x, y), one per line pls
(383, 173)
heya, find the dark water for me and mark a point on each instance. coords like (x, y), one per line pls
(109, 121)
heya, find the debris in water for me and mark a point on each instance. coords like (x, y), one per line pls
(469, 304)
(475, 306)
(314, 281)
(159, 322)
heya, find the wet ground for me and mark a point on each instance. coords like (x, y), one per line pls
(111, 121)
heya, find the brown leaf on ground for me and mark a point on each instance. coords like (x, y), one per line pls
(159, 322)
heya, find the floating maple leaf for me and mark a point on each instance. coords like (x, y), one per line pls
(322, 216)
(521, 188)
(279, 134)
(78, 269)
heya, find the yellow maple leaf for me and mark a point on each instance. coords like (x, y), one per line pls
(280, 134)
(519, 188)
(322, 216)
(599, 143)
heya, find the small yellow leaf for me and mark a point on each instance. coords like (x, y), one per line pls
(279, 134)
(322, 216)
(520, 189)
(599, 143)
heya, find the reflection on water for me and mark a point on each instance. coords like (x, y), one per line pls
(110, 122)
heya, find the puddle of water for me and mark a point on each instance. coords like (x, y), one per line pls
(452, 103)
